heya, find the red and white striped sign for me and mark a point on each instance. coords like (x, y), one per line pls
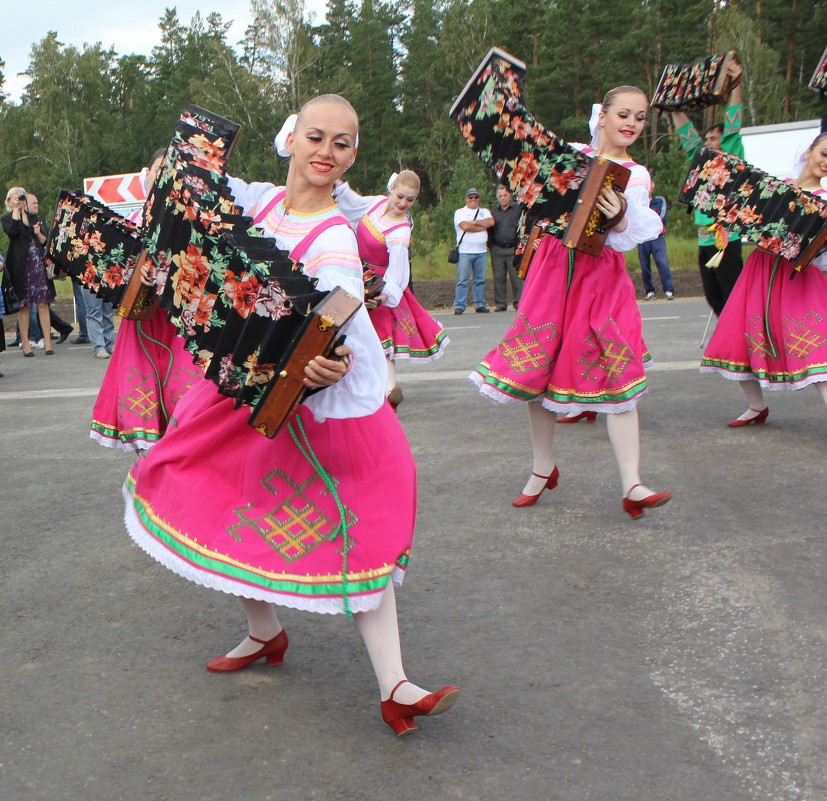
(123, 193)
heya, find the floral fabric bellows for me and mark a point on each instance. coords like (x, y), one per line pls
(764, 210)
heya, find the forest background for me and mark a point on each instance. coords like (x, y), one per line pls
(90, 111)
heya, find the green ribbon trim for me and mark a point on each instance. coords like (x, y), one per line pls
(308, 453)
(162, 382)
(767, 331)
(571, 269)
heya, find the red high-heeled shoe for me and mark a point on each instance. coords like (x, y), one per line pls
(530, 500)
(400, 717)
(273, 649)
(758, 419)
(589, 417)
(635, 509)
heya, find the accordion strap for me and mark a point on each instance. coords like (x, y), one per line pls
(297, 252)
(269, 207)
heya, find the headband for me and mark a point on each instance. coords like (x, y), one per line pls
(392, 180)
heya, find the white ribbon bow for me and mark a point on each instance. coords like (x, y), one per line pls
(280, 142)
(594, 126)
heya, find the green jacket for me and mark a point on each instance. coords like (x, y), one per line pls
(731, 142)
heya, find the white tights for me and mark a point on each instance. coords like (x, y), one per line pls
(624, 434)
(379, 630)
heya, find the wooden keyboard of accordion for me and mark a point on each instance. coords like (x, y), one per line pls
(546, 174)
(766, 211)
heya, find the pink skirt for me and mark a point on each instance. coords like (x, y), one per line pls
(578, 347)
(148, 373)
(319, 518)
(773, 329)
(408, 331)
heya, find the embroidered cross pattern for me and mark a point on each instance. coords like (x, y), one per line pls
(802, 339)
(407, 325)
(612, 357)
(140, 401)
(295, 526)
(524, 350)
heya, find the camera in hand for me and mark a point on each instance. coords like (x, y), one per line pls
(21, 197)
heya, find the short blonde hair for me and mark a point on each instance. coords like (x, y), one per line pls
(15, 191)
(407, 178)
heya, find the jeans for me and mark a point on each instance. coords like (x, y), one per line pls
(470, 263)
(80, 309)
(502, 265)
(99, 322)
(655, 248)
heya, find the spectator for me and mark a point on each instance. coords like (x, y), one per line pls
(502, 239)
(656, 248)
(471, 224)
(24, 262)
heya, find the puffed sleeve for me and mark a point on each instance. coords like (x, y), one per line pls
(333, 260)
(643, 223)
(351, 203)
(251, 197)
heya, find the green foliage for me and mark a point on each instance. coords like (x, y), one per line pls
(88, 111)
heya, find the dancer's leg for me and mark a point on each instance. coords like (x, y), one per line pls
(541, 426)
(380, 631)
(821, 386)
(624, 434)
(755, 399)
(262, 622)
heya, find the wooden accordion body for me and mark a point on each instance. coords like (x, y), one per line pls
(689, 87)
(246, 311)
(556, 184)
(764, 210)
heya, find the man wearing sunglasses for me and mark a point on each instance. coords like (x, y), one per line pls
(471, 224)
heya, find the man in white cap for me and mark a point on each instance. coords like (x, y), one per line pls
(471, 224)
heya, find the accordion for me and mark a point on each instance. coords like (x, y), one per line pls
(550, 179)
(689, 87)
(247, 313)
(819, 79)
(94, 245)
(766, 211)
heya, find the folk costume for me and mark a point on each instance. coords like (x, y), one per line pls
(576, 343)
(297, 520)
(405, 329)
(773, 330)
(148, 373)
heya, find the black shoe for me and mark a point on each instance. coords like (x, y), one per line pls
(501, 308)
(458, 311)
(79, 340)
(64, 335)
(482, 310)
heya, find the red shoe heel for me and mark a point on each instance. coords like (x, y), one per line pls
(636, 509)
(759, 419)
(400, 717)
(530, 500)
(272, 649)
(589, 417)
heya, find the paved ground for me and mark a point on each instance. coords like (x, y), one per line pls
(680, 657)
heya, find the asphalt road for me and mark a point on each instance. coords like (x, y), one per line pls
(679, 657)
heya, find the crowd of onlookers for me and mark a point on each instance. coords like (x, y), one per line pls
(28, 288)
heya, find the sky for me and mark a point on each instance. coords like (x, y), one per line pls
(129, 26)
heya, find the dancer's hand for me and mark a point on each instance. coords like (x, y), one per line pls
(322, 372)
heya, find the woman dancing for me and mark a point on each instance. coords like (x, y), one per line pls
(576, 344)
(383, 232)
(149, 372)
(300, 520)
(772, 333)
